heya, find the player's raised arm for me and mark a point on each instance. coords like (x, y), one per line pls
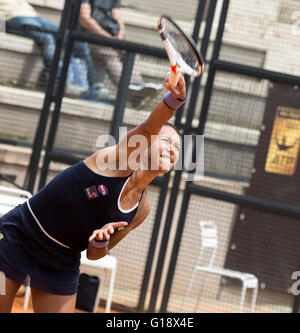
(140, 136)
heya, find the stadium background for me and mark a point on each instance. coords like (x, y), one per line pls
(252, 52)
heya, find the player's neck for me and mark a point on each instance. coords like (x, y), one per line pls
(144, 178)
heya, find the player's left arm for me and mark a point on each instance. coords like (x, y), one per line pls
(141, 214)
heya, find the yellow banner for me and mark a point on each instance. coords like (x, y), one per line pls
(283, 150)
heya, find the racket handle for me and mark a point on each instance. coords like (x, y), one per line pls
(173, 79)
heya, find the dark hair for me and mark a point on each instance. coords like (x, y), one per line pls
(173, 126)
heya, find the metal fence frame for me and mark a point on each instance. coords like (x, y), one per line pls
(190, 188)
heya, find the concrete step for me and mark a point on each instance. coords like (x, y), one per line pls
(26, 68)
(20, 111)
(25, 71)
(25, 108)
(146, 12)
(249, 40)
(141, 17)
(84, 124)
(141, 27)
(20, 61)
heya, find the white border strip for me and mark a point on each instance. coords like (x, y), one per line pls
(2, 284)
(44, 231)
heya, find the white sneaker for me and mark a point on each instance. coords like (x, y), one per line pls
(136, 86)
(143, 86)
(73, 90)
(156, 86)
(105, 94)
(141, 93)
(144, 89)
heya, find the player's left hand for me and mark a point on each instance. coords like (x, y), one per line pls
(107, 230)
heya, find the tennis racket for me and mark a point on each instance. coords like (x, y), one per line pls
(181, 50)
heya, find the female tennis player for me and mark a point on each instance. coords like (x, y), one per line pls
(88, 207)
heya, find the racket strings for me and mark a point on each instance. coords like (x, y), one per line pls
(180, 49)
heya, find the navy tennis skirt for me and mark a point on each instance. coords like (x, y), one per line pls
(28, 256)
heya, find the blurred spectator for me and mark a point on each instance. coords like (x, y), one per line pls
(96, 89)
(18, 13)
(103, 17)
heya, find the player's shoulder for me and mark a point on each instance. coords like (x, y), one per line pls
(107, 162)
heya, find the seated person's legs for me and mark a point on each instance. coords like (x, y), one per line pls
(139, 91)
(46, 42)
(49, 43)
(82, 51)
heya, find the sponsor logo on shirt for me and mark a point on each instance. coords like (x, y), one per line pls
(91, 192)
(102, 189)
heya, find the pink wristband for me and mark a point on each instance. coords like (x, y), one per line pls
(99, 244)
(172, 102)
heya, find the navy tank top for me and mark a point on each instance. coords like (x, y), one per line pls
(76, 202)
